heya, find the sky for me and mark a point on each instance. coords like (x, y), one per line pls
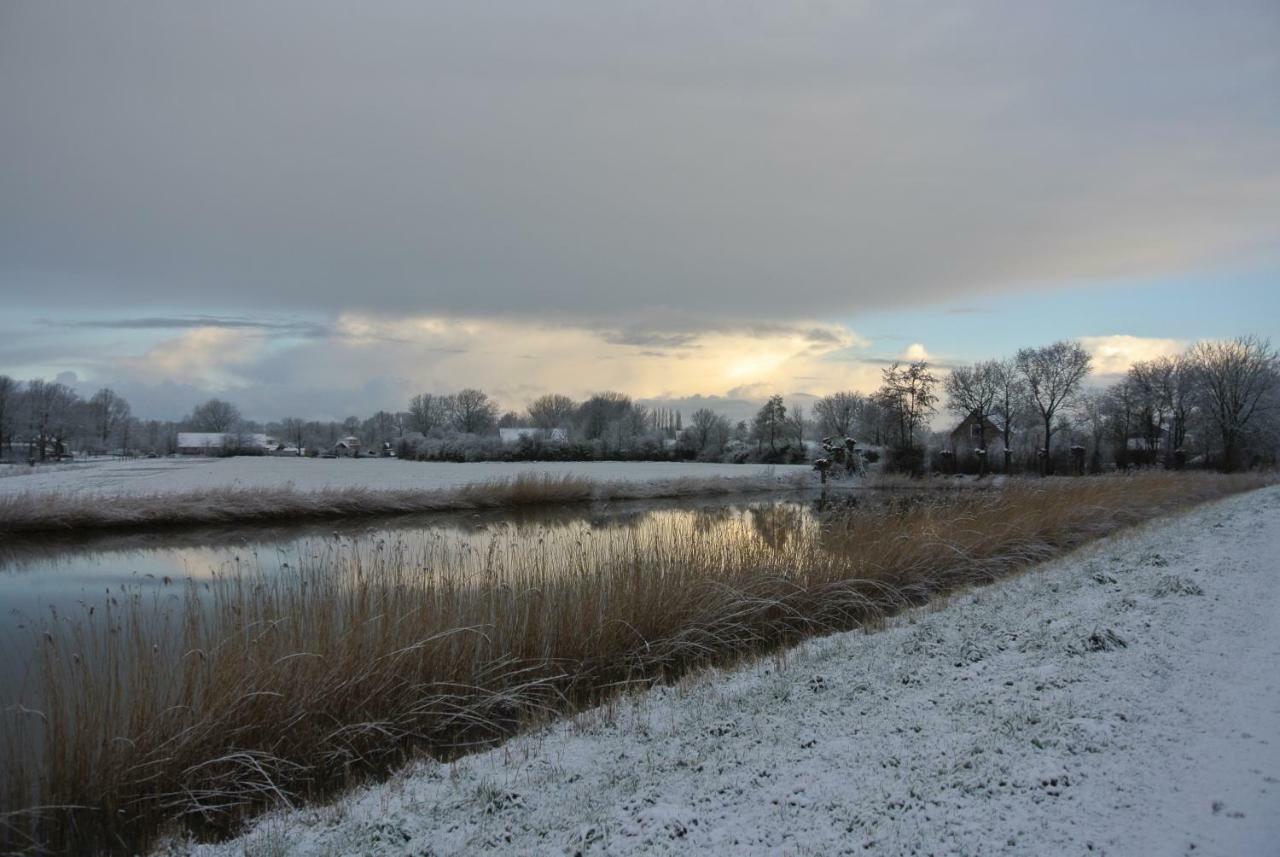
(321, 208)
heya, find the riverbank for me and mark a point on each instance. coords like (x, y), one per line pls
(186, 492)
(245, 690)
(1122, 700)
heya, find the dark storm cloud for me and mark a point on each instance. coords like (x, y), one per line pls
(598, 160)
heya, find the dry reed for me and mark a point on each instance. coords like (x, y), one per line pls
(209, 701)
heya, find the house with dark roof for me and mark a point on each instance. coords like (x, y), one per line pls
(972, 434)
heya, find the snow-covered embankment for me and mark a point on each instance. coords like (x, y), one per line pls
(1123, 700)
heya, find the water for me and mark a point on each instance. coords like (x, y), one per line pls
(45, 578)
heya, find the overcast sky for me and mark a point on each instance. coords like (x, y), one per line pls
(324, 207)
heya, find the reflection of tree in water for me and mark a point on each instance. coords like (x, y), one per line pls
(710, 518)
(777, 526)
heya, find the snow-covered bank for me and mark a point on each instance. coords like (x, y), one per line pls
(1124, 700)
(177, 475)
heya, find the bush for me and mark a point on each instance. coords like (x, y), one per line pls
(905, 459)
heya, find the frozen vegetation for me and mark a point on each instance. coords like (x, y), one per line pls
(1122, 700)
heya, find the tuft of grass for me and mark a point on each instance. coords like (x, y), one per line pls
(30, 511)
(210, 701)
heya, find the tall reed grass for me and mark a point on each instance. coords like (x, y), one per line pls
(30, 511)
(202, 704)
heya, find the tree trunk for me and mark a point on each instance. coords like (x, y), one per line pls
(1047, 468)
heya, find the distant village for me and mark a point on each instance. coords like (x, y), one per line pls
(1217, 405)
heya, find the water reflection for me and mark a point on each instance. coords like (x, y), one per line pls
(68, 575)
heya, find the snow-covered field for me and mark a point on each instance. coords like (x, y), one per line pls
(173, 475)
(1124, 700)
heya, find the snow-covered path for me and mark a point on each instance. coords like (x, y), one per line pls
(1124, 700)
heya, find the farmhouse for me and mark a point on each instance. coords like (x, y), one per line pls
(216, 443)
(968, 436)
(515, 435)
(348, 447)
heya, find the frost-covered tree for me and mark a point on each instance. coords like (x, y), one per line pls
(838, 413)
(706, 434)
(1053, 374)
(214, 415)
(600, 411)
(294, 430)
(552, 411)
(1235, 379)
(472, 412)
(1011, 396)
(51, 409)
(378, 429)
(10, 391)
(107, 410)
(426, 412)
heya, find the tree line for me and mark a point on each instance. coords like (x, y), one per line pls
(1217, 404)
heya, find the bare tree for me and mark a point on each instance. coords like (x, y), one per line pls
(426, 412)
(770, 424)
(511, 419)
(1053, 374)
(378, 429)
(1011, 394)
(597, 413)
(214, 415)
(472, 411)
(973, 390)
(1164, 387)
(1235, 378)
(50, 409)
(1152, 380)
(294, 429)
(107, 409)
(907, 395)
(552, 411)
(705, 434)
(838, 413)
(9, 393)
(1092, 415)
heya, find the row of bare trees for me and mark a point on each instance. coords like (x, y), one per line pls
(44, 417)
(1218, 403)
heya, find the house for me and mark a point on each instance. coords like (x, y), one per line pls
(515, 435)
(219, 443)
(348, 447)
(968, 436)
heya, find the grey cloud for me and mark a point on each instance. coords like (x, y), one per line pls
(719, 160)
(300, 328)
(647, 337)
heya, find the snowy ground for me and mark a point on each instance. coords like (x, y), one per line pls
(163, 475)
(1124, 700)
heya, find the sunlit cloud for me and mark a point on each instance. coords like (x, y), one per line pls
(915, 352)
(1113, 355)
(513, 360)
(205, 356)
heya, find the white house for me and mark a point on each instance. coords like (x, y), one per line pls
(348, 447)
(213, 442)
(514, 435)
